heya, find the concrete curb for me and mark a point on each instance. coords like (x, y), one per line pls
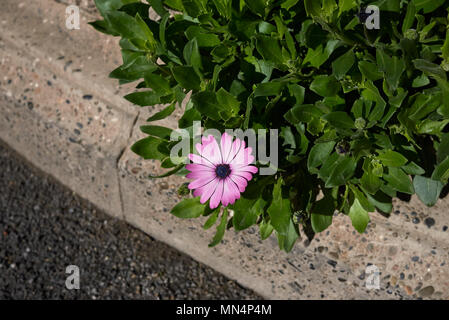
(61, 112)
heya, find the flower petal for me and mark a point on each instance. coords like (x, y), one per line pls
(236, 145)
(243, 157)
(201, 174)
(251, 169)
(206, 140)
(240, 182)
(198, 183)
(244, 172)
(217, 195)
(201, 160)
(198, 167)
(212, 152)
(230, 192)
(226, 145)
(206, 191)
(199, 148)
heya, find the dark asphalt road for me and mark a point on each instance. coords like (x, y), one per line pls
(44, 228)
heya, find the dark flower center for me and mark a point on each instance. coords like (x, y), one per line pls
(223, 171)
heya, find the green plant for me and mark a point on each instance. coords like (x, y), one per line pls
(363, 114)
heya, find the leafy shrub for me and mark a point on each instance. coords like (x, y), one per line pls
(362, 114)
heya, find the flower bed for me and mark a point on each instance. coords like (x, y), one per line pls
(309, 107)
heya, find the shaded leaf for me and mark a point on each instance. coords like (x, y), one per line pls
(188, 208)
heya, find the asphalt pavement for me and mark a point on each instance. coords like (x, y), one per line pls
(44, 228)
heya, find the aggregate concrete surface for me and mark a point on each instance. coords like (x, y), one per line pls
(59, 111)
(44, 228)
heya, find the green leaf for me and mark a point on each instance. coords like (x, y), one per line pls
(291, 45)
(420, 81)
(359, 216)
(193, 7)
(342, 172)
(319, 153)
(287, 240)
(428, 190)
(174, 4)
(318, 56)
(361, 197)
(279, 210)
(441, 172)
(409, 18)
(388, 5)
(413, 169)
(371, 93)
(192, 55)
(228, 103)
(166, 112)
(266, 229)
(432, 127)
(329, 164)
(445, 49)
(148, 148)
(220, 229)
(189, 117)
(144, 98)
(435, 71)
(313, 7)
(188, 208)
(125, 25)
(370, 182)
(186, 77)
(249, 107)
(325, 86)
(135, 7)
(148, 34)
(320, 222)
(162, 28)
(430, 69)
(157, 131)
(428, 5)
(223, 7)
(381, 201)
(443, 148)
(103, 27)
(399, 181)
(157, 5)
(303, 113)
(135, 70)
(346, 5)
(287, 4)
(220, 53)
(298, 92)
(108, 5)
(269, 49)
(204, 38)
(246, 212)
(340, 120)
(158, 84)
(268, 89)
(322, 212)
(343, 64)
(212, 219)
(393, 67)
(370, 70)
(390, 158)
(256, 6)
(207, 104)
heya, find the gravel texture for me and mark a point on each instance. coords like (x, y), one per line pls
(44, 228)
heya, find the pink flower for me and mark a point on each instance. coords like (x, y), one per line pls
(220, 173)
